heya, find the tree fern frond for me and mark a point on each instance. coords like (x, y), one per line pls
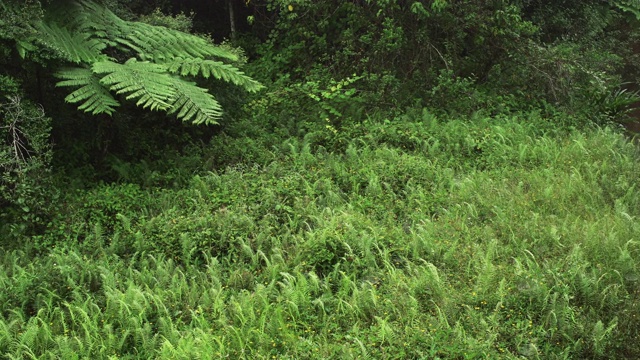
(81, 31)
(194, 103)
(147, 82)
(104, 24)
(160, 43)
(67, 13)
(217, 69)
(150, 42)
(96, 97)
(76, 47)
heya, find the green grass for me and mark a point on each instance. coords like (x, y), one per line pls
(485, 238)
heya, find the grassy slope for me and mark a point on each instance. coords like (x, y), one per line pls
(495, 238)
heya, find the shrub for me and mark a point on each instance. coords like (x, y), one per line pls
(27, 196)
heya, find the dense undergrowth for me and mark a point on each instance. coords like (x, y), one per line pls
(417, 180)
(409, 238)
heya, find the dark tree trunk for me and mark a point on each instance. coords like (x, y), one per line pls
(232, 20)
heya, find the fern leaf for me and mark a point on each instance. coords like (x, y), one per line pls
(217, 69)
(103, 24)
(95, 97)
(81, 30)
(147, 82)
(76, 47)
(159, 43)
(23, 47)
(194, 103)
(150, 42)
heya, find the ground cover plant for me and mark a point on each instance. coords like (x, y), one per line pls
(500, 237)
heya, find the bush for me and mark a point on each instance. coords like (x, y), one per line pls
(27, 196)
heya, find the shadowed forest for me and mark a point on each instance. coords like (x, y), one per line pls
(298, 179)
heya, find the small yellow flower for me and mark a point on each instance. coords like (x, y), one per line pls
(290, 7)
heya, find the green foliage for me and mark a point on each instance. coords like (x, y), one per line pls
(332, 104)
(16, 24)
(616, 104)
(73, 47)
(26, 193)
(96, 98)
(566, 54)
(210, 68)
(180, 22)
(485, 222)
(426, 237)
(103, 205)
(384, 38)
(9, 85)
(87, 34)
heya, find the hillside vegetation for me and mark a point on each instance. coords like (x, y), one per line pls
(379, 180)
(482, 238)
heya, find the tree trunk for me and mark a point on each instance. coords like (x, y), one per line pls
(232, 20)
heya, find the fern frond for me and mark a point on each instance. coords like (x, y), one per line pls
(77, 47)
(150, 42)
(99, 21)
(95, 97)
(81, 30)
(147, 82)
(217, 69)
(194, 103)
(159, 43)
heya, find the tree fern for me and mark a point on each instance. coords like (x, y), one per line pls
(149, 41)
(147, 82)
(95, 97)
(217, 69)
(156, 89)
(194, 103)
(83, 32)
(75, 47)
(160, 43)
